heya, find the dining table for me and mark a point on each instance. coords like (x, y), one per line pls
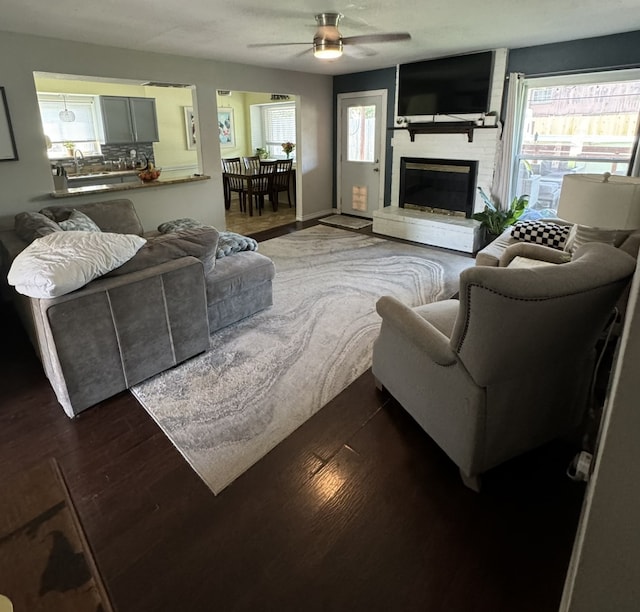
(249, 176)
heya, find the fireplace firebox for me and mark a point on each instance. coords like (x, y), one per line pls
(444, 186)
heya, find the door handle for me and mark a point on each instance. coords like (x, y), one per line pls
(376, 169)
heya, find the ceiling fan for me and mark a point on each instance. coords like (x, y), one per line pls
(328, 42)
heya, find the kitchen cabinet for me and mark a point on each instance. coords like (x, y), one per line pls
(129, 119)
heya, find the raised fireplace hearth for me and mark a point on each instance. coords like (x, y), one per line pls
(441, 186)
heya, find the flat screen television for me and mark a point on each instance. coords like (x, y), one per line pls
(446, 86)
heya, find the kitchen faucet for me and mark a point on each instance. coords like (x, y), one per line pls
(75, 159)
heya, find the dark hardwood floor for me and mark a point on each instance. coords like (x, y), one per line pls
(357, 510)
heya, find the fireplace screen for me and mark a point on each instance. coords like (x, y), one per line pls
(438, 185)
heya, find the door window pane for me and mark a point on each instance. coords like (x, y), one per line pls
(578, 128)
(362, 133)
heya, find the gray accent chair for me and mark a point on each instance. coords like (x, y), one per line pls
(508, 367)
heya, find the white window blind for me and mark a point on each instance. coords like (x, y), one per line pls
(278, 126)
(83, 132)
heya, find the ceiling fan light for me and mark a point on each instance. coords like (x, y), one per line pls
(327, 49)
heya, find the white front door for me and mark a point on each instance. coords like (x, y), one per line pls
(361, 141)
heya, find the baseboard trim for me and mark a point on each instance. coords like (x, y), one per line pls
(315, 215)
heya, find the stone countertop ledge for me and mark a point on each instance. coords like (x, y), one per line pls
(91, 189)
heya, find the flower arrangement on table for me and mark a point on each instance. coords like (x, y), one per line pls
(288, 147)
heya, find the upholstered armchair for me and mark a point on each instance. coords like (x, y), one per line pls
(508, 367)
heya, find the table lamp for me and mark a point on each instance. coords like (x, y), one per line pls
(604, 207)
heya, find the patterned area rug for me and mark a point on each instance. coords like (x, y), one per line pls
(266, 375)
(345, 221)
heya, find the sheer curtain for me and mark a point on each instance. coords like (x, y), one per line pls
(506, 152)
(635, 158)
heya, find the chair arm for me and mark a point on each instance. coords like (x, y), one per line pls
(533, 251)
(416, 330)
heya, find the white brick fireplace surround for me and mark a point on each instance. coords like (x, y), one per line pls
(441, 230)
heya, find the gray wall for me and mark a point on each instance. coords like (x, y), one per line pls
(605, 569)
(26, 183)
(585, 55)
(365, 81)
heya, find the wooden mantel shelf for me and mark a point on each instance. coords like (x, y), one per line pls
(443, 127)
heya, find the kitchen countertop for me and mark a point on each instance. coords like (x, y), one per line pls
(90, 189)
(117, 173)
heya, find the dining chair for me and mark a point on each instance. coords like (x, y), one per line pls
(252, 163)
(261, 186)
(232, 184)
(281, 180)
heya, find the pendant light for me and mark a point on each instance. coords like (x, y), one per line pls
(66, 115)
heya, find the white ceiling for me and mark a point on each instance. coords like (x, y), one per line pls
(221, 30)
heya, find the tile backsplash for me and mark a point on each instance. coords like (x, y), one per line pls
(115, 152)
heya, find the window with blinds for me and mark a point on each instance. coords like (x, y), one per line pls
(278, 126)
(82, 133)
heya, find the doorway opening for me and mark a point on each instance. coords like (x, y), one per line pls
(255, 128)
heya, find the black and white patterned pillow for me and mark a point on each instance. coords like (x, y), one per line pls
(545, 233)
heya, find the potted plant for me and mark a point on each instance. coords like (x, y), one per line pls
(262, 153)
(495, 221)
(70, 147)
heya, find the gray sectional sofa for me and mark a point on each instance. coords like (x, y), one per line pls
(150, 314)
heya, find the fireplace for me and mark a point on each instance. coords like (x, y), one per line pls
(444, 186)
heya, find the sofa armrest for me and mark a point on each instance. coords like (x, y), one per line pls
(533, 251)
(116, 332)
(404, 320)
(106, 283)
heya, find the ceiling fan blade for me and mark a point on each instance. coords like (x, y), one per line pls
(366, 39)
(303, 53)
(278, 44)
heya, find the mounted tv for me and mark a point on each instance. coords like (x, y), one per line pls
(453, 85)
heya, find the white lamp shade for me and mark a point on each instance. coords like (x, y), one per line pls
(602, 201)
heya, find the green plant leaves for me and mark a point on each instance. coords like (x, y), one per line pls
(495, 221)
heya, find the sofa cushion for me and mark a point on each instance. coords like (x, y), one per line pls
(199, 242)
(78, 222)
(116, 216)
(545, 233)
(581, 234)
(32, 225)
(237, 274)
(61, 262)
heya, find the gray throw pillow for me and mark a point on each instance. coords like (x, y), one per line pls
(198, 242)
(32, 225)
(78, 222)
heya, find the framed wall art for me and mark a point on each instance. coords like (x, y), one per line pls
(8, 151)
(226, 127)
(190, 127)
